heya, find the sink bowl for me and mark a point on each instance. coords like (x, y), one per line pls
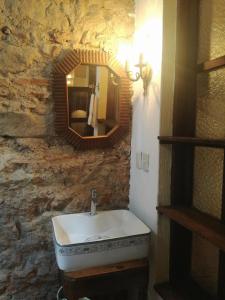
(83, 241)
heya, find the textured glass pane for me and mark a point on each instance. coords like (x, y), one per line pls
(205, 259)
(212, 28)
(208, 176)
(211, 104)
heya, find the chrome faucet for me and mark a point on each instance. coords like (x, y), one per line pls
(93, 202)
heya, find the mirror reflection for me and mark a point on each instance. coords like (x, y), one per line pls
(93, 98)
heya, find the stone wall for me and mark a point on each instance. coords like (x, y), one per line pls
(40, 174)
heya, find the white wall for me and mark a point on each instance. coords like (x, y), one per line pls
(146, 124)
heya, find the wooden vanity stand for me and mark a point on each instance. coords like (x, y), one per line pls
(121, 281)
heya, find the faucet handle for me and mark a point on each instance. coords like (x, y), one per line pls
(93, 194)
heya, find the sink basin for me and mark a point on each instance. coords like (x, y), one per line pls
(83, 241)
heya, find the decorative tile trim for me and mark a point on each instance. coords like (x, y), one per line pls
(102, 246)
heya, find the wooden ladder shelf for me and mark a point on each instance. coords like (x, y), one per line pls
(184, 218)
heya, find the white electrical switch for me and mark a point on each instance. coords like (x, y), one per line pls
(145, 162)
(138, 160)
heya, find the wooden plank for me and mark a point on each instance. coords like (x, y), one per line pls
(187, 290)
(181, 194)
(208, 227)
(221, 275)
(182, 175)
(184, 125)
(112, 268)
(180, 247)
(185, 68)
(211, 65)
(192, 141)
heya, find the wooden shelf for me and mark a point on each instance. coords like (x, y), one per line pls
(187, 290)
(208, 227)
(193, 141)
(213, 64)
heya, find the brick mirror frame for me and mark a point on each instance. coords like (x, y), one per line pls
(91, 57)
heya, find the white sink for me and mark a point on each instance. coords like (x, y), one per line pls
(83, 241)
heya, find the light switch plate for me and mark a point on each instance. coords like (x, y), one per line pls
(138, 160)
(145, 162)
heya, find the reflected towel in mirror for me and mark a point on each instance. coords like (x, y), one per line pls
(93, 111)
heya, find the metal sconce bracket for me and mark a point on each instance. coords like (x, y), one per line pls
(145, 73)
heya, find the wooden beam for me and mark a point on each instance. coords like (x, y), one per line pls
(221, 275)
(192, 141)
(183, 125)
(211, 65)
(185, 72)
(206, 226)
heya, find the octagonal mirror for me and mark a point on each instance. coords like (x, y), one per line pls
(92, 99)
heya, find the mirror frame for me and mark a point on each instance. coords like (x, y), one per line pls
(60, 94)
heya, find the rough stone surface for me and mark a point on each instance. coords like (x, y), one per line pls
(40, 174)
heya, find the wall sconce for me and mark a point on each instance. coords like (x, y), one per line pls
(145, 73)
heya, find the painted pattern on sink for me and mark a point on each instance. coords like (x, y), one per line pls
(102, 246)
